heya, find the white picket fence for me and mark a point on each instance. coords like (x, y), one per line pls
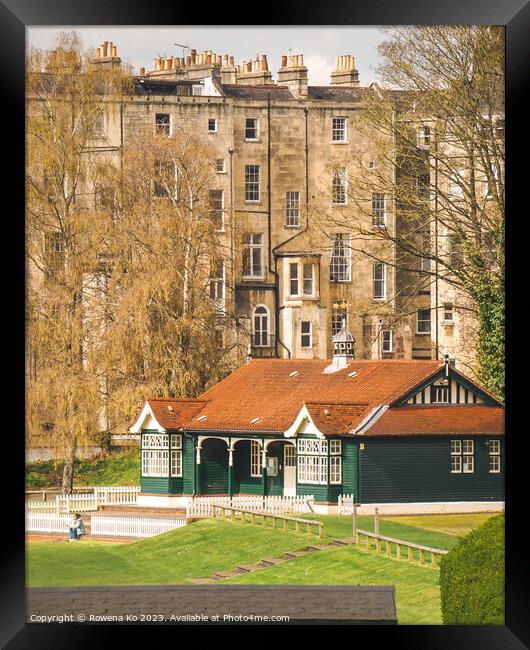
(202, 506)
(45, 522)
(79, 502)
(345, 503)
(132, 526)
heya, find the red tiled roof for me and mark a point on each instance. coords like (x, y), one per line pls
(269, 390)
(174, 413)
(454, 419)
(336, 418)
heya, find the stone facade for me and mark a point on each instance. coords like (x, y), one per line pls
(290, 143)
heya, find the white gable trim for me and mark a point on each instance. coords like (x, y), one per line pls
(303, 421)
(370, 419)
(147, 413)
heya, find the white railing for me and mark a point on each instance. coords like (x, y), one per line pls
(46, 522)
(132, 526)
(101, 496)
(202, 506)
(119, 494)
(345, 503)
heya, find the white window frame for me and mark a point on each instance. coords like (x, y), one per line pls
(256, 127)
(494, 455)
(292, 209)
(380, 280)
(210, 120)
(335, 447)
(456, 455)
(339, 186)
(423, 137)
(388, 340)
(263, 332)
(306, 334)
(161, 128)
(220, 210)
(308, 280)
(176, 463)
(418, 321)
(217, 282)
(378, 209)
(294, 280)
(339, 312)
(218, 168)
(252, 185)
(340, 258)
(448, 309)
(339, 129)
(255, 459)
(254, 244)
(335, 470)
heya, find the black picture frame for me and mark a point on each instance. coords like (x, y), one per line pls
(15, 15)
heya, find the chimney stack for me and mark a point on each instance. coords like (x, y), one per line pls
(255, 72)
(293, 74)
(345, 73)
(107, 54)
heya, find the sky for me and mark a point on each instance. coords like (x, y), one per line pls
(319, 45)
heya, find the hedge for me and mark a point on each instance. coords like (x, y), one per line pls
(472, 577)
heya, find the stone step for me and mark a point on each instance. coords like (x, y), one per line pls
(292, 554)
(321, 547)
(203, 581)
(217, 575)
(249, 567)
(342, 542)
(271, 561)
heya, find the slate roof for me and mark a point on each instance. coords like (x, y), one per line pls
(335, 93)
(256, 92)
(333, 603)
(428, 419)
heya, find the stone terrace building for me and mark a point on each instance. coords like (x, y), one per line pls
(282, 155)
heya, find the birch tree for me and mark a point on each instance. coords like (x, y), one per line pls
(66, 97)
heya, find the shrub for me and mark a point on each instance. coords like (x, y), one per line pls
(472, 577)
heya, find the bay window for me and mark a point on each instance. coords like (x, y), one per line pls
(315, 464)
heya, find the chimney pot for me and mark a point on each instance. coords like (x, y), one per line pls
(114, 51)
(264, 64)
(142, 72)
(284, 61)
(232, 61)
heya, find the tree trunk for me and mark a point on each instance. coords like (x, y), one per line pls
(68, 471)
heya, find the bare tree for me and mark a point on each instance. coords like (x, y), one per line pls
(66, 98)
(168, 329)
(431, 182)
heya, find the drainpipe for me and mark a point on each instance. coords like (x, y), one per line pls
(436, 241)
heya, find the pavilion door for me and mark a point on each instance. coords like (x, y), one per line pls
(289, 471)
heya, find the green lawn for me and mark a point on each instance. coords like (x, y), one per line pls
(188, 552)
(342, 527)
(417, 590)
(210, 545)
(459, 524)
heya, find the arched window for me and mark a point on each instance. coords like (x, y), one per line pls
(261, 326)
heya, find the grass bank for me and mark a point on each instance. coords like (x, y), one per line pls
(122, 468)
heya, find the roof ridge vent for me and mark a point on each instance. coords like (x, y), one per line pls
(201, 418)
(354, 373)
(294, 373)
(254, 421)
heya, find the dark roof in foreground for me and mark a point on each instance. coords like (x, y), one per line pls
(333, 603)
